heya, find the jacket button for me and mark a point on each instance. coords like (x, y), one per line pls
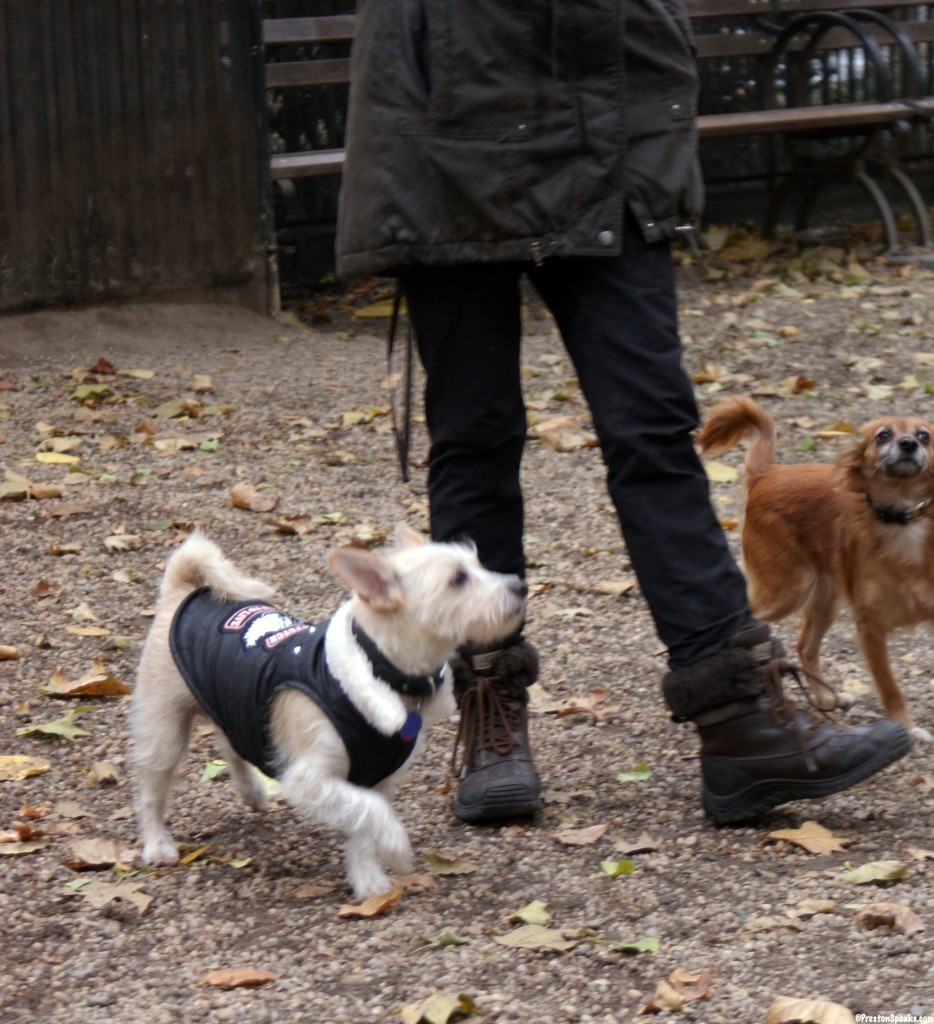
(606, 238)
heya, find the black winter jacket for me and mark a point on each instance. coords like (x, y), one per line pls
(515, 130)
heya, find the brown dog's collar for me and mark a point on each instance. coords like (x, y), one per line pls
(901, 516)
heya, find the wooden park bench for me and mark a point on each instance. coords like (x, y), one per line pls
(825, 140)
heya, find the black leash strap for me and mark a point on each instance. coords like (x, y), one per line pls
(403, 433)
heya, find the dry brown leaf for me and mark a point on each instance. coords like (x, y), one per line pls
(374, 906)
(587, 705)
(897, 916)
(90, 854)
(246, 496)
(8, 653)
(581, 836)
(812, 837)
(644, 844)
(96, 682)
(312, 890)
(665, 998)
(244, 977)
(564, 433)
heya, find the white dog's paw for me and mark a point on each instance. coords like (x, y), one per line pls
(920, 735)
(160, 852)
(395, 850)
(368, 879)
(253, 792)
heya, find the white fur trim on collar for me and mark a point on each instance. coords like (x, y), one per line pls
(379, 704)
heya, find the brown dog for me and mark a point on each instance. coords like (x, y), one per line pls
(816, 535)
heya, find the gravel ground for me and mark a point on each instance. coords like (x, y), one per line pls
(299, 412)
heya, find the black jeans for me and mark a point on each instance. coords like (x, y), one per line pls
(618, 320)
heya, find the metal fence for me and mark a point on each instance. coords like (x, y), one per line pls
(129, 149)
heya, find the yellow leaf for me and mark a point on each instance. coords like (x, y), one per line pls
(15, 767)
(877, 871)
(87, 630)
(813, 837)
(535, 913)
(445, 864)
(377, 310)
(720, 473)
(57, 458)
(438, 1009)
(536, 936)
(96, 682)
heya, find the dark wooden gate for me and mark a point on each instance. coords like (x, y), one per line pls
(130, 139)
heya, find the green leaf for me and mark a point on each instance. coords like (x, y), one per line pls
(64, 727)
(808, 445)
(442, 941)
(615, 868)
(90, 392)
(639, 774)
(213, 770)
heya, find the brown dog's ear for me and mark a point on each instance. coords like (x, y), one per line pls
(370, 575)
(851, 475)
(406, 537)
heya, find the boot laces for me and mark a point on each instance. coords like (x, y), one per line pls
(783, 708)
(489, 720)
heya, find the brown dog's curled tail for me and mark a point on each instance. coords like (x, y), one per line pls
(729, 422)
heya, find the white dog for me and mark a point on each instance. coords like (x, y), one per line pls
(335, 711)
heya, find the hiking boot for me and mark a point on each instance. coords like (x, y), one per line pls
(758, 750)
(496, 775)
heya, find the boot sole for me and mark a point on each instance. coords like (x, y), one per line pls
(503, 801)
(763, 796)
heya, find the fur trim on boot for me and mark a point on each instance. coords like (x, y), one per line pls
(730, 675)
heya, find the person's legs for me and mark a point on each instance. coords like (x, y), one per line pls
(468, 331)
(618, 320)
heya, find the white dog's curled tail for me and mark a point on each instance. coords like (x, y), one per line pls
(199, 562)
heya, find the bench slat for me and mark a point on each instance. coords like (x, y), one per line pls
(295, 74)
(326, 29)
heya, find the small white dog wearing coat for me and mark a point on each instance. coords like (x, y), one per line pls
(335, 711)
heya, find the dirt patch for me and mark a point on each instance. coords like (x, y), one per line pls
(301, 413)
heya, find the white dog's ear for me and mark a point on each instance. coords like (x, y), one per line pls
(368, 574)
(406, 537)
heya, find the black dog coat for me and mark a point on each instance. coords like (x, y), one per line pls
(236, 655)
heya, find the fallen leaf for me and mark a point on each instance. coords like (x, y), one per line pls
(374, 906)
(57, 458)
(535, 912)
(809, 907)
(26, 846)
(64, 727)
(438, 1009)
(99, 893)
(639, 774)
(122, 542)
(536, 936)
(897, 916)
(586, 705)
(8, 653)
(615, 868)
(15, 767)
(615, 588)
(446, 864)
(788, 1010)
(102, 773)
(581, 836)
(878, 872)
(812, 837)
(96, 682)
(767, 923)
(644, 844)
(919, 853)
(245, 977)
(665, 998)
(246, 496)
(441, 941)
(720, 473)
(564, 433)
(93, 854)
(312, 890)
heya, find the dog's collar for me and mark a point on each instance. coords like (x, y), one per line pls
(383, 668)
(902, 516)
